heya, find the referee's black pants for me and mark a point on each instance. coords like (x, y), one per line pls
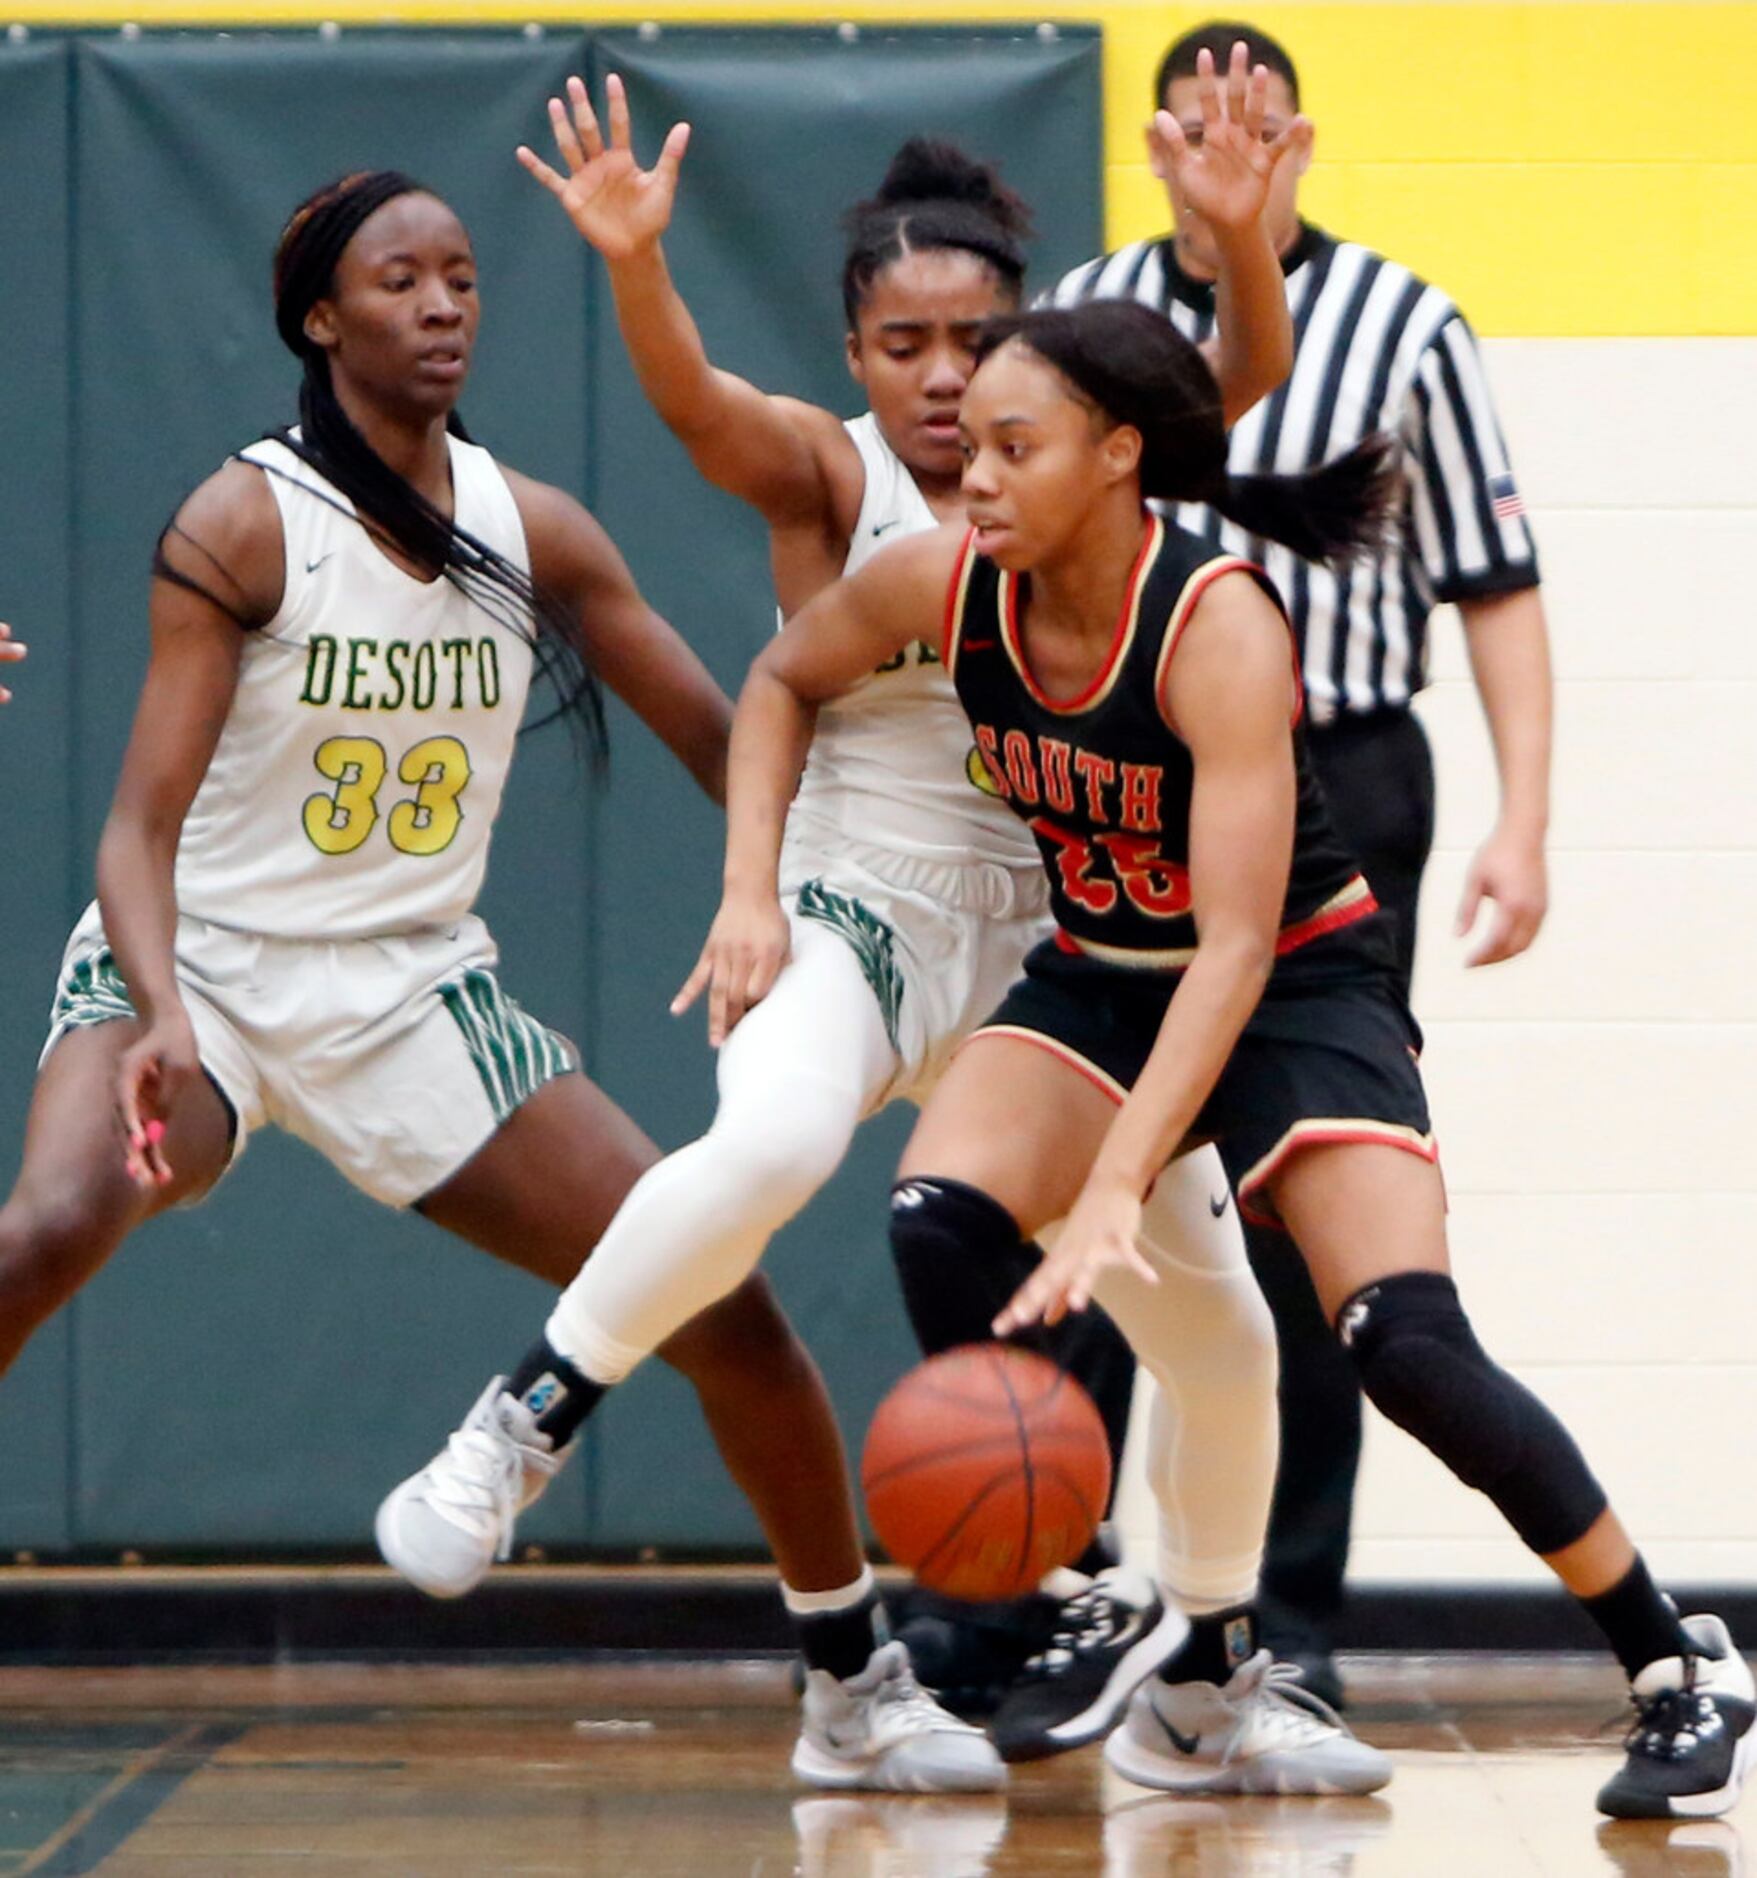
(1378, 778)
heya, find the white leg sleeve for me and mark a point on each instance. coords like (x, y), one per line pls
(795, 1079)
(1207, 1339)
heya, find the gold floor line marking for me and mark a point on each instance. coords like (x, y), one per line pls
(126, 1776)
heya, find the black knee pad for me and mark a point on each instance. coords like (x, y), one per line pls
(959, 1259)
(1421, 1366)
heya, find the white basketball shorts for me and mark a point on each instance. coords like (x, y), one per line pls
(395, 1058)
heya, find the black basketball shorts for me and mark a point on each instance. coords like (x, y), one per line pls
(1329, 1055)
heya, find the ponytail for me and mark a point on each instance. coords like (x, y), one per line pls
(1130, 365)
(1332, 514)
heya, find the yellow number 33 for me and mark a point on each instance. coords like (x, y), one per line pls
(337, 822)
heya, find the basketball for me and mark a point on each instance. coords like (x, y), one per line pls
(985, 1467)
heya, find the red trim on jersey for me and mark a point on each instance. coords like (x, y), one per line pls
(1355, 901)
(949, 632)
(1120, 638)
(1106, 1085)
(1318, 1132)
(1328, 919)
(1198, 584)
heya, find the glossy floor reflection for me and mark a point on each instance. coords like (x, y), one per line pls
(333, 1772)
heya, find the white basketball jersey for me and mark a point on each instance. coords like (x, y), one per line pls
(356, 781)
(892, 762)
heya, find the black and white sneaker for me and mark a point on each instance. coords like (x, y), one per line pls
(1109, 1638)
(1694, 1738)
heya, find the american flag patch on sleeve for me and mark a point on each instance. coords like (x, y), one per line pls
(1504, 495)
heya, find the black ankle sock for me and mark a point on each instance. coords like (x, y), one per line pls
(843, 1641)
(1217, 1644)
(1639, 1624)
(555, 1392)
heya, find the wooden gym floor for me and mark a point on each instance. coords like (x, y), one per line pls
(355, 1771)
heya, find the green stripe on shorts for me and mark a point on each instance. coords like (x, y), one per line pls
(513, 1053)
(91, 992)
(873, 941)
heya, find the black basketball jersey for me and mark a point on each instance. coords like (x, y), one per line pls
(1101, 780)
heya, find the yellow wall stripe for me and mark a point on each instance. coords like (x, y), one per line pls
(1561, 167)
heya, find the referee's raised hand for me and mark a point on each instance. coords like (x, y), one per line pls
(1222, 172)
(619, 207)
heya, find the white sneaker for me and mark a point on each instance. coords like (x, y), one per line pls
(881, 1730)
(1262, 1733)
(445, 1526)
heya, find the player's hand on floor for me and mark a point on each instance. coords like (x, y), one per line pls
(1224, 174)
(746, 947)
(1099, 1235)
(619, 207)
(1508, 871)
(152, 1071)
(11, 651)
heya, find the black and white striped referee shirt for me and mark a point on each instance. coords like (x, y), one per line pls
(1375, 348)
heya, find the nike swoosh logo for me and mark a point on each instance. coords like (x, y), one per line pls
(1185, 1744)
(1218, 1207)
(879, 528)
(979, 645)
(311, 567)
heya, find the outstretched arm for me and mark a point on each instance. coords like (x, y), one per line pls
(788, 459)
(833, 642)
(637, 654)
(1224, 176)
(11, 651)
(1230, 693)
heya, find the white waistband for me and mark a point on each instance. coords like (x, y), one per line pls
(967, 885)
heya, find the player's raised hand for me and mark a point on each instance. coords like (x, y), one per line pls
(1223, 175)
(619, 207)
(746, 947)
(11, 651)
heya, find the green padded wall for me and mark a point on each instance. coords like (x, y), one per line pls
(248, 1377)
(40, 863)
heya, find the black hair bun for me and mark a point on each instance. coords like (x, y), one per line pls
(931, 169)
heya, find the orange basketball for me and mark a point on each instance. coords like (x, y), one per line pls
(984, 1468)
